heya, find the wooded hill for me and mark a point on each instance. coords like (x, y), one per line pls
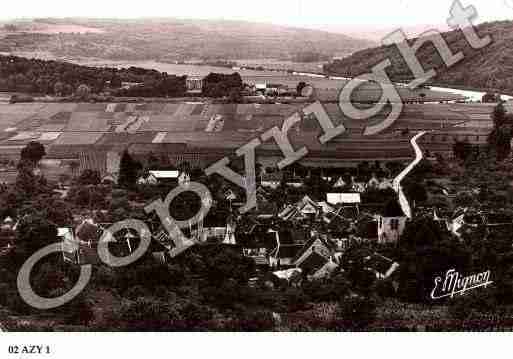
(487, 68)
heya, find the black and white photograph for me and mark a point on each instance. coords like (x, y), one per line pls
(254, 167)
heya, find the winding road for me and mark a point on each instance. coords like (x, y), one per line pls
(403, 201)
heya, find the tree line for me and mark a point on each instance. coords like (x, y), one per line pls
(35, 76)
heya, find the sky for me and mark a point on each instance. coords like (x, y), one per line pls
(324, 14)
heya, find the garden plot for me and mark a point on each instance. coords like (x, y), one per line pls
(215, 124)
(159, 137)
(61, 117)
(163, 123)
(78, 138)
(171, 108)
(25, 136)
(185, 109)
(90, 107)
(135, 126)
(99, 124)
(49, 136)
(9, 122)
(81, 121)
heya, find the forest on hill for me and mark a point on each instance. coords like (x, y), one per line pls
(488, 68)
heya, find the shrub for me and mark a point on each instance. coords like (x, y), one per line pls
(147, 314)
(356, 313)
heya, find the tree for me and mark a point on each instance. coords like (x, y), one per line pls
(115, 81)
(489, 97)
(415, 191)
(33, 152)
(462, 150)
(28, 185)
(35, 232)
(58, 88)
(152, 162)
(89, 177)
(499, 115)
(426, 251)
(54, 210)
(499, 140)
(300, 86)
(74, 165)
(464, 199)
(83, 92)
(128, 170)
(221, 85)
(356, 313)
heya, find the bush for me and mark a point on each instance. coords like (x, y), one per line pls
(253, 321)
(332, 289)
(80, 311)
(147, 314)
(467, 306)
(356, 313)
(136, 292)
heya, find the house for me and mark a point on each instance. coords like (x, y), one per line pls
(81, 246)
(386, 184)
(325, 207)
(373, 182)
(380, 265)
(340, 183)
(262, 195)
(283, 255)
(229, 195)
(270, 89)
(266, 210)
(465, 219)
(313, 256)
(358, 186)
(367, 227)
(259, 255)
(294, 182)
(305, 208)
(292, 276)
(184, 178)
(194, 84)
(308, 207)
(8, 232)
(344, 198)
(8, 224)
(325, 271)
(441, 219)
(289, 213)
(345, 201)
(105, 162)
(155, 177)
(391, 223)
(271, 180)
(214, 228)
(260, 88)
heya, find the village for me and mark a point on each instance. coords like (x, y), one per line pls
(304, 223)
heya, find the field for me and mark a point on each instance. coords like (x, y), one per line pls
(66, 129)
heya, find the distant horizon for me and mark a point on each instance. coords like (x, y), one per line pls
(365, 17)
(368, 32)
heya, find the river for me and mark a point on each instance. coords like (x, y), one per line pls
(203, 70)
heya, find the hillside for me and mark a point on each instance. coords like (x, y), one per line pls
(171, 39)
(488, 68)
